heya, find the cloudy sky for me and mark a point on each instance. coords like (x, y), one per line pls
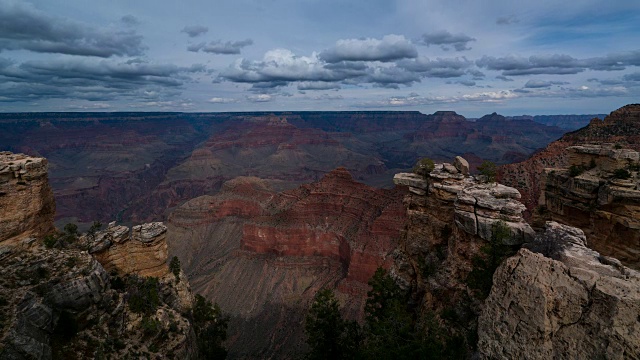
(474, 57)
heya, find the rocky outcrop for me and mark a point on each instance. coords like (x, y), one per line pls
(590, 195)
(141, 251)
(27, 206)
(572, 304)
(450, 219)
(62, 304)
(262, 255)
(621, 126)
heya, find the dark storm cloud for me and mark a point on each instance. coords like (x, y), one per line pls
(534, 84)
(221, 48)
(389, 48)
(22, 27)
(438, 68)
(503, 78)
(445, 40)
(538, 64)
(91, 80)
(195, 30)
(632, 77)
(558, 64)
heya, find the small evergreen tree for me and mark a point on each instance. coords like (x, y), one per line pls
(174, 267)
(488, 169)
(328, 335)
(210, 327)
(423, 167)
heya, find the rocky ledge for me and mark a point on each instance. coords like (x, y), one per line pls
(141, 250)
(563, 301)
(478, 205)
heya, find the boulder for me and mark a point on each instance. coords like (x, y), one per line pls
(461, 164)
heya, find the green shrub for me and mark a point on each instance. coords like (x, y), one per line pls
(49, 241)
(424, 166)
(150, 326)
(493, 253)
(489, 169)
(143, 294)
(174, 266)
(575, 170)
(621, 174)
(210, 327)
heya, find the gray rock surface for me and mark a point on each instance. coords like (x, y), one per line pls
(462, 165)
(574, 304)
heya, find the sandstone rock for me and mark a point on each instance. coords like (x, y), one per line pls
(462, 165)
(449, 168)
(410, 179)
(576, 305)
(143, 253)
(26, 201)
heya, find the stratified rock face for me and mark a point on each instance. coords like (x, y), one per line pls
(450, 218)
(263, 255)
(27, 207)
(142, 251)
(621, 126)
(575, 304)
(605, 207)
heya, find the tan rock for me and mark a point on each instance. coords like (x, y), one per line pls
(461, 164)
(27, 206)
(579, 306)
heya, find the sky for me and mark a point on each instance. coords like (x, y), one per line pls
(473, 57)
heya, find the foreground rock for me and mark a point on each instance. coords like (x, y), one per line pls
(61, 303)
(27, 207)
(574, 304)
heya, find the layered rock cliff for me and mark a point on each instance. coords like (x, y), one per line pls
(621, 126)
(27, 206)
(555, 298)
(263, 255)
(598, 193)
(59, 301)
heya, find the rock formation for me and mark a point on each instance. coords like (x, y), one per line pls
(142, 251)
(62, 302)
(555, 298)
(27, 206)
(450, 219)
(574, 304)
(621, 126)
(589, 195)
(263, 255)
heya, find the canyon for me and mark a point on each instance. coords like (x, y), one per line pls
(282, 247)
(138, 167)
(261, 218)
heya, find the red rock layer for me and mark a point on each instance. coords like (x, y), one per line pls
(259, 253)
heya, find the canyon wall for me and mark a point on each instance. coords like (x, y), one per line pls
(263, 255)
(621, 127)
(598, 193)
